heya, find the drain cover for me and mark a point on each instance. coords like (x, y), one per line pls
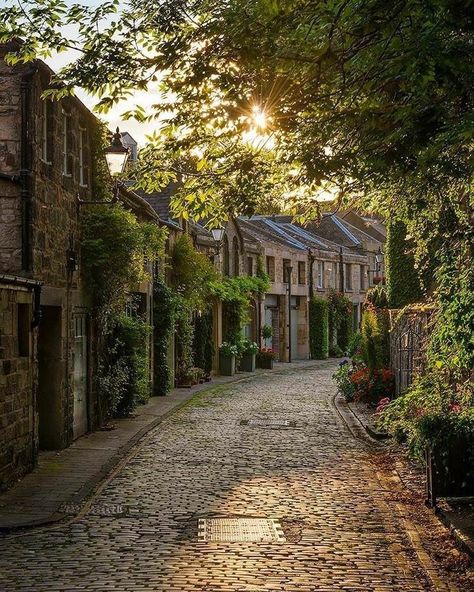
(268, 423)
(96, 510)
(240, 530)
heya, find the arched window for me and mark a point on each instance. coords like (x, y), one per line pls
(235, 249)
(226, 257)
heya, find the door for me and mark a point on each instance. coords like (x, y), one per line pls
(80, 375)
(50, 379)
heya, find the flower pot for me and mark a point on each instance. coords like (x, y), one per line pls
(247, 363)
(226, 365)
(265, 363)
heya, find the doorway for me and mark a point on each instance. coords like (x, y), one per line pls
(50, 372)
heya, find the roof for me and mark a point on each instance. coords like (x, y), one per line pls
(160, 201)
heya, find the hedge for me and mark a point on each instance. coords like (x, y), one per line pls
(318, 329)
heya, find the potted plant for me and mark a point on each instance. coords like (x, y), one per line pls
(227, 354)
(249, 351)
(267, 332)
(265, 358)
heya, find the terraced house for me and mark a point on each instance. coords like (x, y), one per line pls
(47, 176)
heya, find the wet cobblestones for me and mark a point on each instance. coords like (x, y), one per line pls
(311, 475)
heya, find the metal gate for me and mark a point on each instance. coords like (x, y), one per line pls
(80, 426)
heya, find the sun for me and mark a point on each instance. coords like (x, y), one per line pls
(259, 117)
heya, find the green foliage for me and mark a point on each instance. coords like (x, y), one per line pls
(375, 341)
(430, 415)
(192, 274)
(184, 331)
(228, 349)
(114, 248)
(342, 378)
(123, 376)
(452, 343)
(267, 331)
(163, 323)
(354, 349)
(339, 319)
(203, 347)
(249, 347)
(335, 351)
(377, 296)
(318, 328)
(403, 282)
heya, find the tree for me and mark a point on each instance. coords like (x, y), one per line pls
(372, 98)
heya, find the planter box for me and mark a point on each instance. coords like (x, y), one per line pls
(226, 365)
(265, 363)
(247, 363)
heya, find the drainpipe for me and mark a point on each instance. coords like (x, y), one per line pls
(310, 268)
(341, 271)
(25, 173)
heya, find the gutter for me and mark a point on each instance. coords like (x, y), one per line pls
(25, 172)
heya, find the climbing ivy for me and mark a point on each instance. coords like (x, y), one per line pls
(163, 323)
(318, 328)
(403, 282)
(340, 320)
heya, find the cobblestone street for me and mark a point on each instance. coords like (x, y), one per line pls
(309, 473)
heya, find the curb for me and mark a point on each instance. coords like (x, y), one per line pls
(465, 543)
(89, 489)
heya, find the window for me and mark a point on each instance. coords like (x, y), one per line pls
(301, 273)
(286, 268)
(23, 328)
(334, 276)
(362, 277)
(250, 266)
(348, 276)
(83, 157)
(271, 268)
(320, 282)
(47, 132)
(67, 144)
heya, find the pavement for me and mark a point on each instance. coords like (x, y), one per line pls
(68, 476)
(274, 450)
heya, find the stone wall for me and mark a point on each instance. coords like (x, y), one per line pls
(18, 430)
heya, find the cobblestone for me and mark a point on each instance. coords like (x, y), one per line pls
(315, 479)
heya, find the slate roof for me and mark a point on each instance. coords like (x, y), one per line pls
(160, 201)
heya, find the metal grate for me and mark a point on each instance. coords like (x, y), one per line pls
(240, 530)
(268, 423)
(96, 510)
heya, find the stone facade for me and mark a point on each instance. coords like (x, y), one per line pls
(18, 421)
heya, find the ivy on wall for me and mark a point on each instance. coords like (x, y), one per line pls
(203, 346)
(403, 282)
(163, 323)
(340, 321)
(318, 328)
(375, 341)
(114, 249)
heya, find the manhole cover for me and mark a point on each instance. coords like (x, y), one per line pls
(96, 510)
(268, 423)
(240, 530)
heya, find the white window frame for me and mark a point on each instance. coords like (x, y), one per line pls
(320, 276)
(82, 132)
(66, 124)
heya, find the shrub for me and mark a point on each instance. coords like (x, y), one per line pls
(318, 328)
(163, 323)
(267, 331)
(354, 349)
(229, 349)
(123, 375)
(342, 377)
(340, 319)
(377, 296)
(375, 342)
(203, 346)
(373, 385)
(265, 353)
(335, 351)
(249, 347)
(431, 414)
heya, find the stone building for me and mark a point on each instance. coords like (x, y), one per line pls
(48, 173)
